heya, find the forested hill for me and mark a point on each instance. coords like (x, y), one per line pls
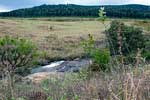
(128, 11)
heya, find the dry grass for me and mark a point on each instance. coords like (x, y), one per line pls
(61, 39)
(145, 24)
(99, 86)
(58, 39)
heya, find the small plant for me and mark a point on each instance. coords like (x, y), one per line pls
(89, 45)
(49, 98)
(76, 97)
(102, 15)
(99, 57)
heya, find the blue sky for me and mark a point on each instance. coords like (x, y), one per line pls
(7, 5)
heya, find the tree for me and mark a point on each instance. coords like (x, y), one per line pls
(15, 53)
(123, 11)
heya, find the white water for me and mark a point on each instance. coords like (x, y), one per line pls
(63, 66)
(54, 64)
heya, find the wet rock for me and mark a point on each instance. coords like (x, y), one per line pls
(64, 66)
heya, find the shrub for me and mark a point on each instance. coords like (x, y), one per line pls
(132, 38)
(89, 45)
(146, 52)
(146, 55)
(99, 57)
(15, 54)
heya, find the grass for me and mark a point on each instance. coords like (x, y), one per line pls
(116, 85)
(58, 38)
(145, 24)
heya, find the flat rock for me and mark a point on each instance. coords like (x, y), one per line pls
(38, 77)
(64, 66)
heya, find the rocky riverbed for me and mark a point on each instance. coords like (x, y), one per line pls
(57, 69)
(64, 66)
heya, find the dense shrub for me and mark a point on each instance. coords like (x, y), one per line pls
(16, 53)
(131, 38)
(100, 60)
(146, 51)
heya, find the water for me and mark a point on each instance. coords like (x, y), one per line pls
(63, 66)
(47, 68)
(54, 64)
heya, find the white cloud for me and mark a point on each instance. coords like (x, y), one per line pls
(82, 2)
(4, 9)
(147, 2)
(97, 2)
(119, 2)
(85, 2)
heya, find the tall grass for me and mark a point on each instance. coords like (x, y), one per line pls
(118, 84)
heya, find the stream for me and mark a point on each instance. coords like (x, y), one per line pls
(63, 66)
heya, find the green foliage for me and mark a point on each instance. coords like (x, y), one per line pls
(146, 51)
(146, 55)
(89, 45)
(132, 38)
(76, 97)
(99, 57)
(13, 99)
(45, 85)
(49, 98)
(102, 14)
(129, 11)
(16, 53)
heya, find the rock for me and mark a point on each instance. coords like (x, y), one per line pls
(73, 66)
(64, 66)
(56, 70)
(47, 68)
(38, 77)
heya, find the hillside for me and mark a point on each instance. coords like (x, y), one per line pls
(120, 11)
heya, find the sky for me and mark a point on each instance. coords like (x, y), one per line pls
(7, 5)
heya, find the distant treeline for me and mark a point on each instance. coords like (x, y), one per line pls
(126, 11)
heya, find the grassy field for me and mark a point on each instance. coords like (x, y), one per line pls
(61, 38)
(58, 37)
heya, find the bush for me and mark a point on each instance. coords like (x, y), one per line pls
(89, 45)
(146, 55)
(146, 52)
(15, 54)
(132, 38)
(99, 57)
